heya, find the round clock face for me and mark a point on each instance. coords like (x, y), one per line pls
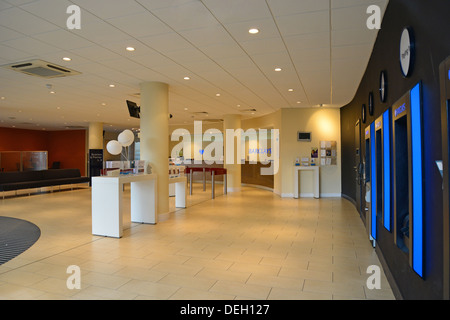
(406, 51)
(371, 104)
(383, 86)
(363, 113)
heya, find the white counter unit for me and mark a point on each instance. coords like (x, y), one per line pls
(316, 179)
(107, 203)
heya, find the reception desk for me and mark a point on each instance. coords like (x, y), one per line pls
(316, 179)
(107, 202)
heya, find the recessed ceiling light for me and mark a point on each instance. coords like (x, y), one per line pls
(299, 102)
(290, 90)
(52, 92)
(112, 85)
(187, 78)
(253, 31)
(103, 104)
(277, 69)
(217, 94)
(67, 59)
(238, 105)
(130, 49)
(185, 108)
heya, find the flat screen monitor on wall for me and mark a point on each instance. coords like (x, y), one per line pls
(133, 109)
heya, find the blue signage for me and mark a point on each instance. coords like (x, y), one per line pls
(417, 179)
(400, 109)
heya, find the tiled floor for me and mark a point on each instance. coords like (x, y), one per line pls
(246, 245)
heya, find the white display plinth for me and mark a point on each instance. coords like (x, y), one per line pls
(107, 203)
(316, 181)
(180, 190)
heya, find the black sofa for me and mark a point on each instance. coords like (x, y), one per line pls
(18, 180)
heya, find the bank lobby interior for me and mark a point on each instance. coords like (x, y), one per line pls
(300, 70)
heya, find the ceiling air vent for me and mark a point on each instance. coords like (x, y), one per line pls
(41, 69)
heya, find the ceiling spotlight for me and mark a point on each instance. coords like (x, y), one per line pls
(253, 31)
(290, 90)
(130, 49)
(185, 109)
(187, 78)
(112, 86)
(217, 94)
(277, 69)
(298, 102)
(103, 104)
(67, 59)
(52, 92)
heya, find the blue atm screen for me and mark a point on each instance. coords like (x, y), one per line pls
(373, 182)
(417, 187)
(387, 170)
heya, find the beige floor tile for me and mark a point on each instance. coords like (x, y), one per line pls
(241, 289)
(192, 294)
(149, 289)
(288, 294)
(245, 245)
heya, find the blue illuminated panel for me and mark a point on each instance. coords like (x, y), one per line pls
(373, 181)
(387, 169)
(417, 186)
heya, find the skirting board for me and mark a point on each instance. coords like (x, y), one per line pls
(311, 195)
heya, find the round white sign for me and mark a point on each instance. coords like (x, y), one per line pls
(406, 52)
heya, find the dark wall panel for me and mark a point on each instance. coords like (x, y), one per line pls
(431, 24)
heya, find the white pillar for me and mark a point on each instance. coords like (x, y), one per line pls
(96, 135)
(155, 137)
(232, 122)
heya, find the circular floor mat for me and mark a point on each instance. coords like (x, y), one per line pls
(16, 236)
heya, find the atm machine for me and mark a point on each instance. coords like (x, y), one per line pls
(370, 182)
(444, 71)
(407, 157)
(382, 157)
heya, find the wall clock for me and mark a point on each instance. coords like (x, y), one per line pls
(383, 86)
(407, 47)
(363, 113)
(371, 103)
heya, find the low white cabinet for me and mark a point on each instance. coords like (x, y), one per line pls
(107, 202)
(316, 180)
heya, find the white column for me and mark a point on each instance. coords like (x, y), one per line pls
(232, 123)
(155, 137)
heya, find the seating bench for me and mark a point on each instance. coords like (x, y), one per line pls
(18, 180)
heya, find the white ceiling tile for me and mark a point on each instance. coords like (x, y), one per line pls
(232, 11)
(311, 22)
(289, 7)
(111, 9)
(24, 22)
(181, 17)
(159, 4)
(31, 46)
(166, 42)
(64, 39)
(140, 25)
(8, 34)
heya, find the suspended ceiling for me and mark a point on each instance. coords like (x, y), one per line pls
(321, 46)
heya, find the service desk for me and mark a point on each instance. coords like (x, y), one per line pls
(316, 179)
(107, 202)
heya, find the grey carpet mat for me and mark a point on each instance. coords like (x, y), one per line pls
(16, 236)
